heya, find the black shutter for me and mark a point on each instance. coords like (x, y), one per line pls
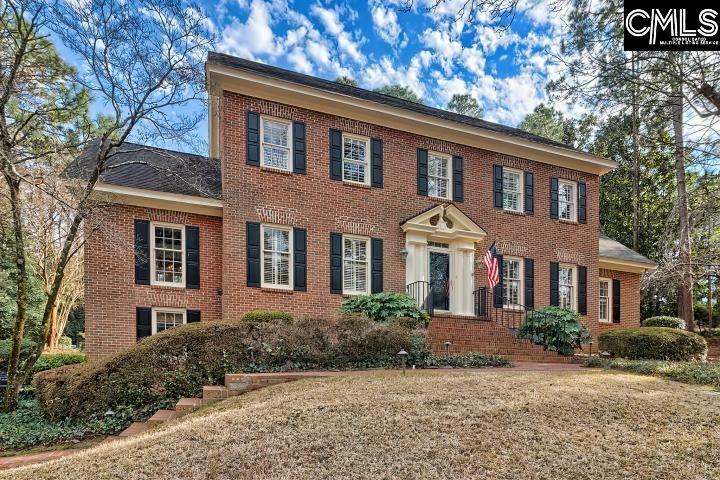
(554, 284)
(192, 257)
(529, 274)
(422, 172)
(616, 301)
(300, 259)
(193, 316)
(582, 290)
(376, 249)
(498, 300)
(458, 192)
(253, 254)
(498, 186)
(336, 263)
(376, 154)
(582, 202)
(554, 197)
(529, 192)
(335, 154)
(143, 321)
(142, 252)
(252, 138)
(299, 155)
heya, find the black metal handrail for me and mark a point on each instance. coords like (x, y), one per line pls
(421, 291)
(510, 316)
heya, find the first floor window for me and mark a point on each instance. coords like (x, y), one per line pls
(275, 143)
(164, 318)
(512, 188)
(355, 265)
(168, 254)
(438, 175)
(566, 201)
(604, 301)
(512, 282)
(276, 256)
(566, 286)
(356, 152)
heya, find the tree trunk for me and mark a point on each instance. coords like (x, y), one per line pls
(710, 309)
(636, 162)
(685, 297)
(54, 332)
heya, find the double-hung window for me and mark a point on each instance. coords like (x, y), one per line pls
(512, 282)
(566, 287)
(512, 190)
(356, 159)
(168, 254)
(439, 184)
(356, 252)
(605, 312)
(566, 201)
(275, 143)
(164, 318)
(276, 257)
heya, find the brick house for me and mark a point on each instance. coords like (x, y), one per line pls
(315, 191)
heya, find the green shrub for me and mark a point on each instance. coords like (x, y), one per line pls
(5, 347)
(688, 372)
(55, 360)
(383, 306)
(667, 322)
(65, 343)
(556, 329)
(654, 343)
(176, 363)
(468, 360)
(267, 316)
(710, 332)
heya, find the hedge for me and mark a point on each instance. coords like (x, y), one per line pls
(663, 321)
(178, 362)
(267, 316)
(654, 343)
(687, 372)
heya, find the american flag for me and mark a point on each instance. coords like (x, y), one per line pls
(491, 264)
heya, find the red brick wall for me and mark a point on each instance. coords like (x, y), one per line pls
(321, 205)
(629, 299)
(111, 294)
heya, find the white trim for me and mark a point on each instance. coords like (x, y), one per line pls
(520, 192)
(141, 197)
(575, 293)
(521, 274)
(291, 259)
(368, 274)
(221, 77)
(573, 184)
(155, 310)
(448, 159)
(610, 300)
(610, 263)
(152, 254)
(368, 156)
(289, 145)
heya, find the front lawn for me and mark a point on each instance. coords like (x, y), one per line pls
(498, 424)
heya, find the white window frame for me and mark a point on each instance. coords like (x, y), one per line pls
(368, 254)
(521, 185)
(291, 259)
(574, 201)
(573, 296)
(156, 310)
(368, 155)
(153, 280)
(449, 178)
(521, 283)
(609, 318)
(289, 145)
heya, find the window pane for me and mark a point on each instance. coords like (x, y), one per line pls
(168, 254)
(165, 320)
(276, 256)
(275, 144)
(354, 149)
(354, 172)
(275, 133)
(354, 159)
(438, 177)
(511, 282)
(355, 265)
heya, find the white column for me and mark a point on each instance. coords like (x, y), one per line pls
(416, 263)
(463, 280)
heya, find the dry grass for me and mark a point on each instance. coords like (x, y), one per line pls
(495, 425)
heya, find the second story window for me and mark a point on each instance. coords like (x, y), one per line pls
(275, 143)
(355, 266)
(355, 159)
(276, 257)
(168, 259)
(438, 175)
(566, 287)
(566, 201)
(512, 190)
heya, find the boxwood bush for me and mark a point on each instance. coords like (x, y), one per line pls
(267, 316)
(555, 329)
(663, 321)
(654, 343)
(176, 363)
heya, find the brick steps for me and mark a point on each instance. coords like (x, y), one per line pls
(135, 428)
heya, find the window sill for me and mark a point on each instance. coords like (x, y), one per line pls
(514, 212)
(165, 286)
(513, 308)
(605, 322)
(351, 295)
(288, 291)
(444, 199)
(356, 184)
(569, 222)
(281, 171)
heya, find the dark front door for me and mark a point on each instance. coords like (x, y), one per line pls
(440, 280)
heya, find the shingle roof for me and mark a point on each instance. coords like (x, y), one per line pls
(613, 249)
(150, 168)
(335, 87)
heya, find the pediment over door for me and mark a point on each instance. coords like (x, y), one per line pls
(444, 222)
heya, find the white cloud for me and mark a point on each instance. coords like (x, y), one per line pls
(319, 52)
(491, 38)
(385, 72)
(330, 19)
(299, 61)
(444, 46)
(252, 38)
(386, 23)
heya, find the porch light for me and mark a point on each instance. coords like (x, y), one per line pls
(403, 357)
(404, 253)
(252, 353)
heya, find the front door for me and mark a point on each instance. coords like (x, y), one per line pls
(440, 280)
